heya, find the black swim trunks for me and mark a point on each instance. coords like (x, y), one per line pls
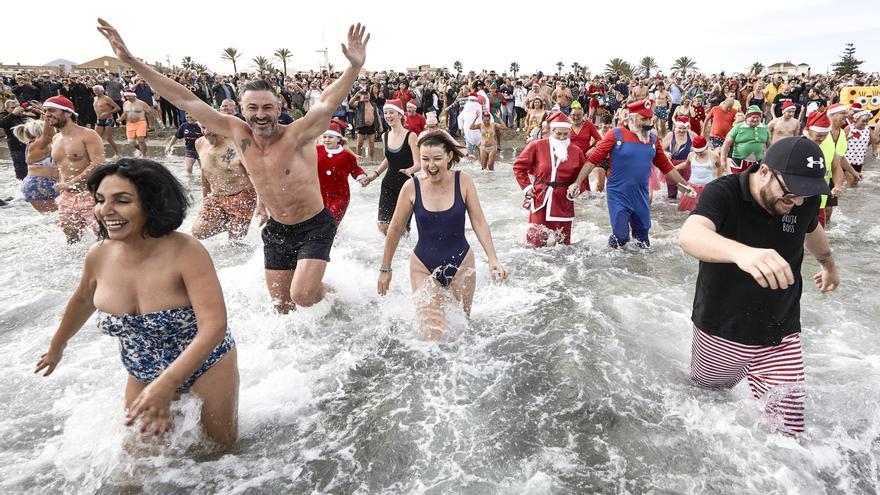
(367, 129)
(284, 245)
(106, 123)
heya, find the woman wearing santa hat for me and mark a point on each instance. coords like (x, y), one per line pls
(860, 138)
(704, 166)
(401, 161)
(678, 144)
(335, 165)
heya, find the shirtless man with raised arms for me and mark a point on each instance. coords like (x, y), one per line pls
(282, 163)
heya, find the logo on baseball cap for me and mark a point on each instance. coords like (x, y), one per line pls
(801, 163)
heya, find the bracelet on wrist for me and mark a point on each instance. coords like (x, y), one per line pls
(385, 269)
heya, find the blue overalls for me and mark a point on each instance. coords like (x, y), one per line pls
(627, 190)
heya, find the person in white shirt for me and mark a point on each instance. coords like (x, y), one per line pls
(519, 103)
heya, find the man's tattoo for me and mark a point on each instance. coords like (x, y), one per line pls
(228, 156)
(825, 258)
(244, 144)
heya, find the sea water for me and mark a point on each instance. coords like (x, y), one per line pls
(571, 376)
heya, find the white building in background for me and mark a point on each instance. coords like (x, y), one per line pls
(789, 69)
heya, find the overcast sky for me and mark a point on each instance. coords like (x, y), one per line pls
(719, 36)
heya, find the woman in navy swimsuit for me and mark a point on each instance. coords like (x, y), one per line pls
(157, 291)
(442, 258)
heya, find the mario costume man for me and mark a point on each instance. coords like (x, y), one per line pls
(335, 165)
(554, 162)
(634, 148)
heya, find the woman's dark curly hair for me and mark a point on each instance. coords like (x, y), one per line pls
(162, 196)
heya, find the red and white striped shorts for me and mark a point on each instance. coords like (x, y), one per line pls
(775, 374)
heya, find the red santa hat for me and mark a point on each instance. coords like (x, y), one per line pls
(835, 108)
(789, 104)
(859, 113)
(683, 121)
(559, 119)
(61, 103)
(128, 92)
(410, 104)
(337, 128)
(699, 143)
(641, 107)
(818, 122)
(395, 105)
(855, 107)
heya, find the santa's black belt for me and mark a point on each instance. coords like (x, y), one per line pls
(555, 183)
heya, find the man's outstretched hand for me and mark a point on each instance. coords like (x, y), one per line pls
(116, 42)
(355, 52)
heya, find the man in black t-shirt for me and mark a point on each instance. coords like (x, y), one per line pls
(780, 99)
(749, 232)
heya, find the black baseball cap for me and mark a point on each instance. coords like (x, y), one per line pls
(801, 163)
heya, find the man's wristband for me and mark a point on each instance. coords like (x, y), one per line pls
(384, 269)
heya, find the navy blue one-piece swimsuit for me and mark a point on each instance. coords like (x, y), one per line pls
(442, 245)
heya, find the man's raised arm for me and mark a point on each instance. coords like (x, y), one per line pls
(172, 91)
(316, 119)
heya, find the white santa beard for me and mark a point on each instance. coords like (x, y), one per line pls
(559, 148)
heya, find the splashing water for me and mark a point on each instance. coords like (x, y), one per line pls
(570, 378)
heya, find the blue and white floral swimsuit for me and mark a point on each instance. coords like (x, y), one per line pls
(150, 342)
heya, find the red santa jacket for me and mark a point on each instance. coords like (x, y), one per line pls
(333, 172)
(415, 123)
(551, 179)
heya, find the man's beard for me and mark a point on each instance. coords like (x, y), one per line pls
(268, 132)
(644, 133)
(559, 148)
(58, 123)
(777, 207)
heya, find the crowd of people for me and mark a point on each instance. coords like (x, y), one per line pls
(760, 189)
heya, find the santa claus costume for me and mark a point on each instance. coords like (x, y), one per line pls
(334, 168)
(555, 165)
(632, 163)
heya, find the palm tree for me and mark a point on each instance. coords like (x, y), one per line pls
(683, 65)
(514, 67)
(283, 54)
(457, 66)
(559, 66)
(262, 64)
(232, 55)
(575, 68)
(199, 68)
(618, 67)
(647, 64)
(584, 69)
(757, 67)
(187, 63)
